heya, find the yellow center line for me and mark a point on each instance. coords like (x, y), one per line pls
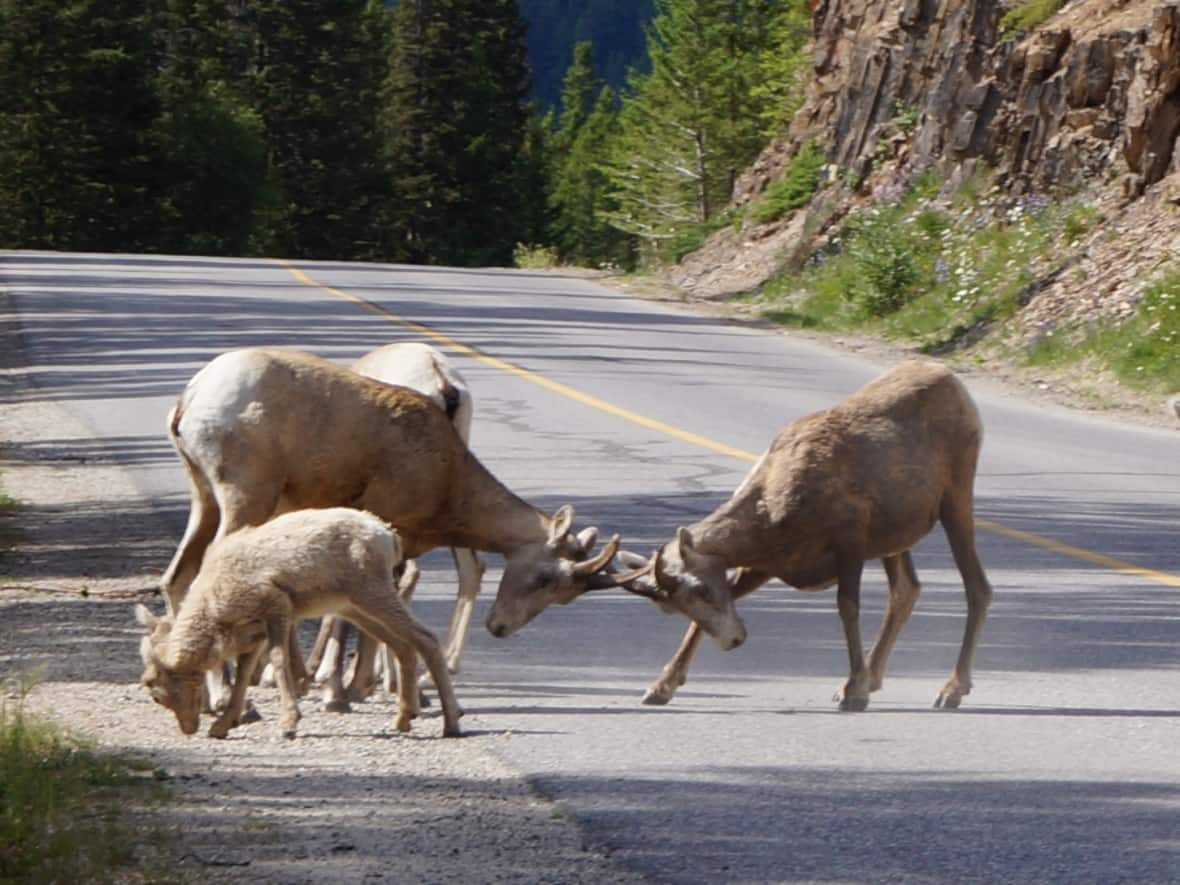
(1099, 559)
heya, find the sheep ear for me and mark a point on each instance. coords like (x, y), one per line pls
(145, 650)
(562, 520)
(587, 537)
(684, 540)
(145, 617)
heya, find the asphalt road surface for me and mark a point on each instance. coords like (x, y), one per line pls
(1063, 764)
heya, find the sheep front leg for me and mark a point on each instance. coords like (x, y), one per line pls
(277, 630)
(470, 569)
(854, 696)
(232, 717)
(675, 672)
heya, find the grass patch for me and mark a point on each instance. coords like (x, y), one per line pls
(60, 800)
(1143, 352)
(1027, 15)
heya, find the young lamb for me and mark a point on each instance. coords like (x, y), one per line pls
(255, 583)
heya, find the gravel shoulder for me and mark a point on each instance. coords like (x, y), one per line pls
(350, 800)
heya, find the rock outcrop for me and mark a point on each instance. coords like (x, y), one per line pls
(1091, 98)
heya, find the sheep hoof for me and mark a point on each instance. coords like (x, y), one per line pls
(337, 706)
(452, 731)
(952, 695)
(656, 697)
(853, 704)
(947, 701)
(289, 734)
(250, 714)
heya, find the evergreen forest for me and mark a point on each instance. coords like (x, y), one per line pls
(363, 130)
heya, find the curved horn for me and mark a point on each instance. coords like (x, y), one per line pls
(599, 562)
(662, 577)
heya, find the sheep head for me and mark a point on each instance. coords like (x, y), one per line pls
(557, 570)
(679, 578)
(180, 692)
(178, 685)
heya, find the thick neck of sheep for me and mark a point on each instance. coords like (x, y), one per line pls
(484, 515)
(189, 646)
(735, 532)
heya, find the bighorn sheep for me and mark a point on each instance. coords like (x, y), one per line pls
(256, 583)
(427, 370)
(863, 480)
(263, 431)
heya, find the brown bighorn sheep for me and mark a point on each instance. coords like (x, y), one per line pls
(866, 479)
(256, 583)
(263, 431)
(427, 370)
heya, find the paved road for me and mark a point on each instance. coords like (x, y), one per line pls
(1062, 765)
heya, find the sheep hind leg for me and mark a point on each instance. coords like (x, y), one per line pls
(277, 630)
(360, 680)
(378, 623)
(904, 588)
(331, 669)
(959, 522)
(203, 517)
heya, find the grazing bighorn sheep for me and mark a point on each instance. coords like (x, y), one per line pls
(427, 370)
(256, 583)
(866, 479)
(262, 432)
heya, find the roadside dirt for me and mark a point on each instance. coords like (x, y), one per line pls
(349, 800)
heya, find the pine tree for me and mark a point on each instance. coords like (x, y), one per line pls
(78, 125)
(455, 116)
(318, 68)
(785, 67)
(689, 126)
(579, 195)
(220, 192)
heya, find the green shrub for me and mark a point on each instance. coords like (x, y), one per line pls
(795, 188)
(529, 257)
(885, 256)
(906, 116)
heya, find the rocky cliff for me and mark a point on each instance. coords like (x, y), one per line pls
(1089, 99)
